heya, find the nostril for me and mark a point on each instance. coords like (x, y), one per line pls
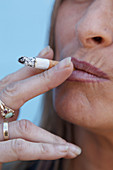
(98, 40)
(94, 41)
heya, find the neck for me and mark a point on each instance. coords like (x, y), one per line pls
(97, 150)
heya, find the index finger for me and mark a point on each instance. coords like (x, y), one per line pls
(15, 95)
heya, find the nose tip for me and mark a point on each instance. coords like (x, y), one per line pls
(91, 39)
(92, 35)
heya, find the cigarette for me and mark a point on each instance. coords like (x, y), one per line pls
(40, 63)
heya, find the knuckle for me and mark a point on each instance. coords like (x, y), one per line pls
(6, 80)
(19, 147)
(47, 78)
(46, 75)
(44, 148)
(25, 126)
(11, 90)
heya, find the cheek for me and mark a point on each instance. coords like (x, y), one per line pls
(65, 29)
(65, 25)
(87, 105)
(82, 106)
(64, 34)
(71, 104)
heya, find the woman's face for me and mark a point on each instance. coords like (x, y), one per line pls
(84, 30)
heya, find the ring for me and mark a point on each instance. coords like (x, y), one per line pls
(6, 112)
(5, 131)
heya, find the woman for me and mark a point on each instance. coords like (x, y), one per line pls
(83, 29)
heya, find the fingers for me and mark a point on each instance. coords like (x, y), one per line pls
(19, 149)
(36, 144)
(16, 94)
(26, 72)
(27, 130)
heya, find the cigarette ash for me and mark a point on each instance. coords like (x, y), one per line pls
(27, 61)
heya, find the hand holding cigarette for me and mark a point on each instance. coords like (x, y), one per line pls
(20, 87)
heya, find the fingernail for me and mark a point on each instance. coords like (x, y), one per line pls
(63, 148)
(75, 149)
(64, 63)
(44, 51)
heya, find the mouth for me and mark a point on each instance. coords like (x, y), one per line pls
(85, 72)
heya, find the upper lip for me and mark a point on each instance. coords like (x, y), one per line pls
(87, 67)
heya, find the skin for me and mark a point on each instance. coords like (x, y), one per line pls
(27, 141)
(87, 105)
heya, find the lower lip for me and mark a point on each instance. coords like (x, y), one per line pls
(82, 76)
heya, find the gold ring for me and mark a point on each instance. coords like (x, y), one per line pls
(5, 131)
(6, 112)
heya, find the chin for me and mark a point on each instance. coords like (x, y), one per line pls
(74, 106)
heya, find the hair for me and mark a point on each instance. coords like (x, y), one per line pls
(57, 125)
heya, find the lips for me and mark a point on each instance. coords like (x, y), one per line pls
(86, 72)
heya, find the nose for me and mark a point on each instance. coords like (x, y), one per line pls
(94, 29)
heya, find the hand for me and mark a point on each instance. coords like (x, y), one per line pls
(27, 141)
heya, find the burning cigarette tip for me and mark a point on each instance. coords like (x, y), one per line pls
(21, 60)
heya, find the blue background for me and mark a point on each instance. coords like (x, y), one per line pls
(24, 30)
